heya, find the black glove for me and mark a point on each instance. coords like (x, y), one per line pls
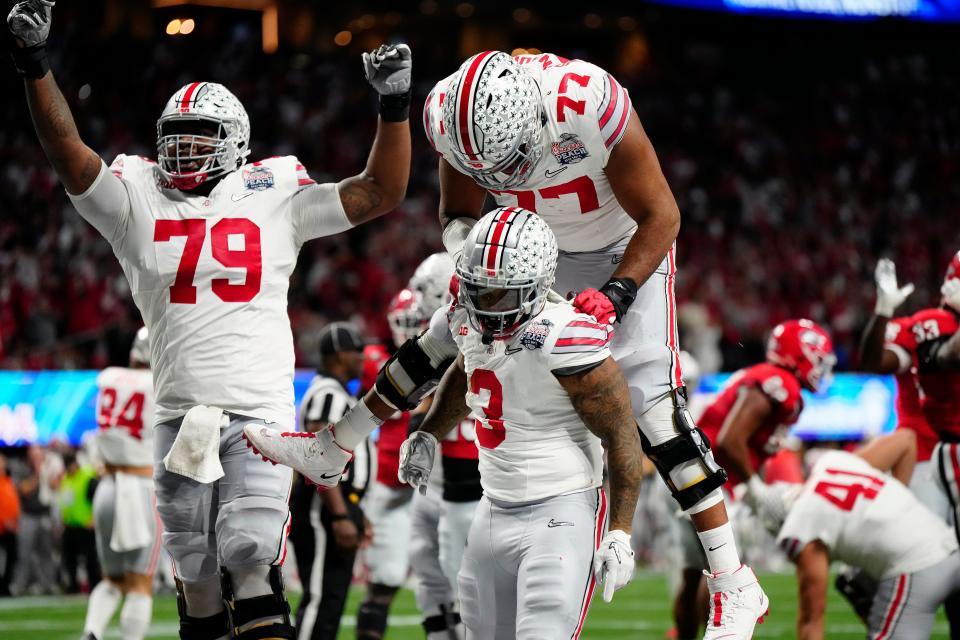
(29, 27)
(622, 292)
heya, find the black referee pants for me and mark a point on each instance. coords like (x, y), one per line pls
(326, 571)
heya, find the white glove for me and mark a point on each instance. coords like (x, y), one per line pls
(29, 21)
(951, 293)
(613, 562)
(417, 454)
(889, 294)
(388, 69)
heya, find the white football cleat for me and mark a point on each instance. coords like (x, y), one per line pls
(316, 456)
(737, 604)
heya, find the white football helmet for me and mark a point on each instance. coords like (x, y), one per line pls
(777, 501)
(493, 120)
(507, 267)
(186, 155)
(431, 281)
(140, 349)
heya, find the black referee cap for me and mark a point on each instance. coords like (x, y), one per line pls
(340, 336)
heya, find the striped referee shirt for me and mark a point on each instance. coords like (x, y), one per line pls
(326, 401)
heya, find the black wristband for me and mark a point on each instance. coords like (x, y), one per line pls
(31, 62)
(395, 108)
(622, 292)
(336, 517)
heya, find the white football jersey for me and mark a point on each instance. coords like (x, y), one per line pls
(865, 518)
(210, 276)
(587, 113)
(532, 443)
(125, 416)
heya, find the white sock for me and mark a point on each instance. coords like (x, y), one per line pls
(203, 598)
(135, 616)
(355, 426)
(100, 607)
(721, 548)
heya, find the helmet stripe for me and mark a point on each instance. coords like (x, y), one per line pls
(188, 96)
(465, 122)
(495, 250)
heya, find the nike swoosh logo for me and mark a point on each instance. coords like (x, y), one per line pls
(512, 350)
(329, 477)
(617, 259)
(237, 197)
(558, 523)
(718, 546)
(550, 173)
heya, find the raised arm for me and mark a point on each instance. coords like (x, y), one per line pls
(602, 400)
(76, 164)
(875, 357)
(382, 184)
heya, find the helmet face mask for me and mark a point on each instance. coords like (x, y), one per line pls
(203, 134)
(507, 267)
(494, 119)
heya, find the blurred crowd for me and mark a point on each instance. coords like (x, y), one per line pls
(793, 173)
(46, 522)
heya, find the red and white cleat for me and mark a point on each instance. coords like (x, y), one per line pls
(737, 604)
(314, 455)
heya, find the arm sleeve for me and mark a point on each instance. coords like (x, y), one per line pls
(579, 346)
(318, 212)
(105, 205)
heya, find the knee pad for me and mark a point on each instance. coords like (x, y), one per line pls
(252, 530)
(211, 627)
(684, 460)
(194, 554)
(265, 617)
(412, 373)
(372, 620)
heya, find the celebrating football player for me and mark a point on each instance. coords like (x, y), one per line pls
(849, 510)
(125, 521)
(546, 394)
(560, 137)
(207, 241)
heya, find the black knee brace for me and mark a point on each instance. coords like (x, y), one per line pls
(209, 628)
(243, 612)
(409, 376)
(447, 620)
(858, 589)
(373, 612)
(690, 445)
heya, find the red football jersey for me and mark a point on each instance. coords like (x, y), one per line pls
(783, 390)
(909, 405)
(392, 434)
(940, 390)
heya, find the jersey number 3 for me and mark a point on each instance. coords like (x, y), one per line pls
(183, 290)
(490, 433)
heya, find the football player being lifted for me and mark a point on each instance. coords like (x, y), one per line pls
(207, 241)
(560, 137)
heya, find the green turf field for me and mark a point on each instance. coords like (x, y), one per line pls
(641, 611)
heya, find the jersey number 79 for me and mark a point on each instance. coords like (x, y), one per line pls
(183, 290)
